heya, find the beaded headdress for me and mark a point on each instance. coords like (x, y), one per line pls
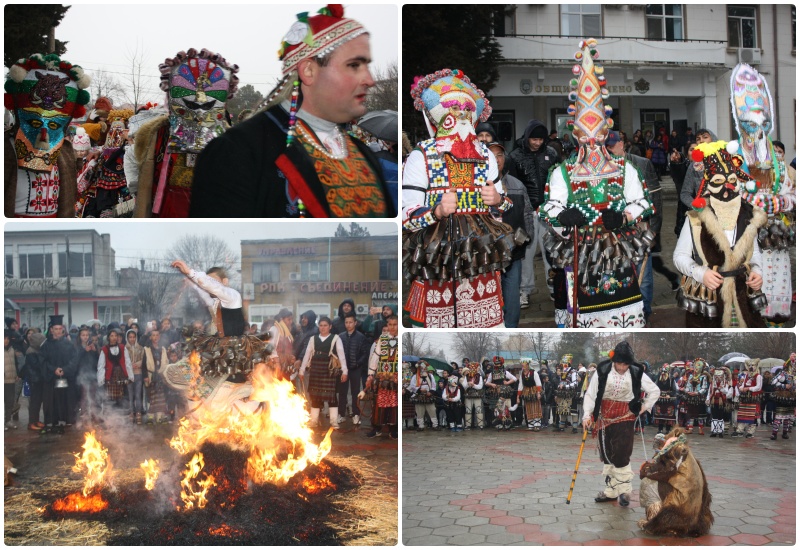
(314, 36)
(118, 122)
(566, 359)
(198, 84)
(440, 94)
(717, 159)
(587, 91)
(752, 108)
(46, 93)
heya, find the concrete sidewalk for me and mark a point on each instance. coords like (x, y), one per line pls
(510, 488)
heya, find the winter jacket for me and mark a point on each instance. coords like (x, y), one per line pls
(520, 214)
(532, 168)
(10, 365)
(301, 340)
(338, 322)
(356, 349)
(34, 370)
(60, 354)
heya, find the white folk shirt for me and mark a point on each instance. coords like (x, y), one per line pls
(214, 294)
(337, 345)
(683, 260)
(619, 387)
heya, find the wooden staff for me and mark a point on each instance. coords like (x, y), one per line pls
(575, 279)
(451, 223)
(577, 465)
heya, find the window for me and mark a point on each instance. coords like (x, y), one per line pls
(258, 313)
(9, 261)
(582, 20)
(742, 27)
(80, 260)
(314, 271)
(388, 270)
(108, 314)
(266, 273)
(664, 22)
(35, 261)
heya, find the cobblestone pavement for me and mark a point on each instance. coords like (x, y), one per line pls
(510, 488)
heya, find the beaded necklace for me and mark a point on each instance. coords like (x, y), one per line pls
(309, 137)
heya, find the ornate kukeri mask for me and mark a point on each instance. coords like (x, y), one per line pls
(45, 93)
(752, 108)
(198, 85)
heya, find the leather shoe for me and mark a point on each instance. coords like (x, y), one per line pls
(624, 500)
(602, 497)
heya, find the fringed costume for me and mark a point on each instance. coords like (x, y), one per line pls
(453, 264)
(602, 201)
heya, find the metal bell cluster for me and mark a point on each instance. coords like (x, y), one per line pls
(230, 354)
(777, 235)
(464, 248)
(695, 298)
(600, 251)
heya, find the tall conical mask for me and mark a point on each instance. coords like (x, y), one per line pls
(592, 117)
(752, 107)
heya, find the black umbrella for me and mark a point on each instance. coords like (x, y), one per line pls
(381, 124)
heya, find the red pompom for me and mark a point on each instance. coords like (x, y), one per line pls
(337, 10)
(697, 155)
(79, 111)
(8, 102)
(611, 354)
(699, 203)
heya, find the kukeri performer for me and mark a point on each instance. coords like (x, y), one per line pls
(606, 199)
(770, 187)
(472, 383)
(664, 409)
(611, 404)
(720, 393)
(499, 385)
(750, 389)
(422, 388)
(530, 391)
(454, 247)
(453, 405)
(566, 392)
(383, 375)
(784, 383)
(223, 302)
(695, 392)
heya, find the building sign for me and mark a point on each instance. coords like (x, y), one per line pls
(331, 287)
(384, 296)
(545, 89)
(34, 285)
(289, 251)
(642, 86)
(525, 86)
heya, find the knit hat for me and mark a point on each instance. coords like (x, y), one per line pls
(9, 321)
(103, 104)
(622, 353)
(315, 36)
(36, 340)
(81, 142)
(486, 127)
(45, 93)
(539, 132)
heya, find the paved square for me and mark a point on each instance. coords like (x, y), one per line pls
(481, 487)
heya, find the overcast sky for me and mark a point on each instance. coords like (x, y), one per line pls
(105, 36)
(150, 239)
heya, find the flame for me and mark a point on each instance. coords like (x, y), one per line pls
(272, 426)
(76, 502)
(95, 461)
(197, 377)
(195, 498)
(151, 470)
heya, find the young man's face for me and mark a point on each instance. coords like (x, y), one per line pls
(705, 137)
(535, 143)
(392, 326)
(338, 91)
(350, 324)
(500, 156)
(57, 331)
(485, 137)
(346, 307)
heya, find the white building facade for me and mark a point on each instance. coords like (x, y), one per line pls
(37, 274)
(666, 64)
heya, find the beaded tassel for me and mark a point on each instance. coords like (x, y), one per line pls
(290, 135)
(301, 208)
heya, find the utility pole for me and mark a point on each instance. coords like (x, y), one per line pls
(69, 288)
